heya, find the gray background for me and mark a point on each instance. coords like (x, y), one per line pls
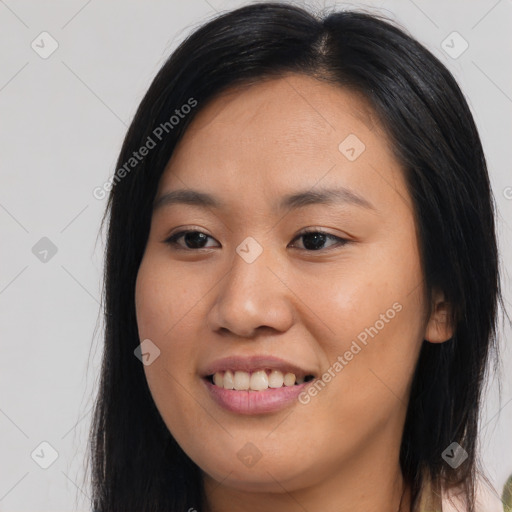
(62, 121)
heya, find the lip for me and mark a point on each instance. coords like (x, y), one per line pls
(254, 363)
(255, 402)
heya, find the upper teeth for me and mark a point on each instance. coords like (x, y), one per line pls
(255, 381)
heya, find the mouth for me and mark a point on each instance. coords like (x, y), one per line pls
(257, 384)
(258, 380)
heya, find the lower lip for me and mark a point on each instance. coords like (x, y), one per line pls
(255, 402)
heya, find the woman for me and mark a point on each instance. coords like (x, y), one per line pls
(302, 253)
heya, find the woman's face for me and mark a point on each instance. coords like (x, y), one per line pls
(344, 306)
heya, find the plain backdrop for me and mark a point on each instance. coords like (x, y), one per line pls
(63, 116)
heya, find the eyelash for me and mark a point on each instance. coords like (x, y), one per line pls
(172, 240)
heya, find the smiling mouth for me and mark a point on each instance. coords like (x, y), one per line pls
(259, 380)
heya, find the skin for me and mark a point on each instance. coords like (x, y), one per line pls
(249, 147)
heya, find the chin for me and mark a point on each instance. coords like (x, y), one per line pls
(266, 476)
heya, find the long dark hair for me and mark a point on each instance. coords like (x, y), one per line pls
(136, 463)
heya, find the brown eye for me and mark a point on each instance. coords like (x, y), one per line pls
(314, 240)
(193, 239)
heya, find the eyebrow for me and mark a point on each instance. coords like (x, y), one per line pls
(296, 200)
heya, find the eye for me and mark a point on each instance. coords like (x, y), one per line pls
(313, 239)
(193, 238)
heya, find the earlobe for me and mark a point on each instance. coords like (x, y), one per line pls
(439, 328)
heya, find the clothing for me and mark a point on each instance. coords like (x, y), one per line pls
(432, 500)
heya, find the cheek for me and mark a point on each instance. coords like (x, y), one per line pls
(166, 303)
(165, 298)
(372, 317)
(165, 315)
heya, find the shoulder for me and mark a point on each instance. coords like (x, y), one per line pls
(486, 500)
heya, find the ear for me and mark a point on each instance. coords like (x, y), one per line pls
(439, 329)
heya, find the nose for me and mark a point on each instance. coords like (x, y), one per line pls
(252, 296)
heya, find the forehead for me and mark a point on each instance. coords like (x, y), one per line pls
(270, 136)
(286, 107)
